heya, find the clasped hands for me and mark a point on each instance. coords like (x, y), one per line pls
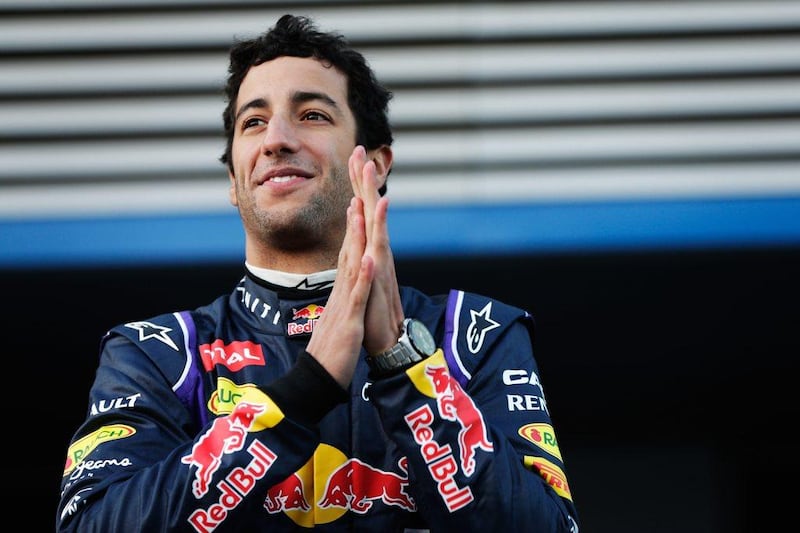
(364, 307)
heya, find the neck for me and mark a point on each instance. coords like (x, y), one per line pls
(293, 261)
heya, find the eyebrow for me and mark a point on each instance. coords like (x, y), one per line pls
(299, 97)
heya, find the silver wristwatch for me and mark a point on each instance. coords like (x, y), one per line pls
(415, 344)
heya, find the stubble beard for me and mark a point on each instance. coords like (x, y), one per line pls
(314, 225)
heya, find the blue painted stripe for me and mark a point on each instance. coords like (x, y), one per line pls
(431, 231)
(607, 226)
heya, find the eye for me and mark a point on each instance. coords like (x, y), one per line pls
(252, 122)
(315, 116)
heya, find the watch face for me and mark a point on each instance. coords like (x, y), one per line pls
(420, 337)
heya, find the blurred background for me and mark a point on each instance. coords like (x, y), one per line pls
(626, 171)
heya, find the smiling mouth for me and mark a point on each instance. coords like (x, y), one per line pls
(284, 179)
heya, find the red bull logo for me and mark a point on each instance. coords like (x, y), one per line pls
(330, 484)
(303, 319)
(233, 488)
(439, 459)
(226, 435)
(309, 312)
(288, 495)
(356, 485)
(455, 405)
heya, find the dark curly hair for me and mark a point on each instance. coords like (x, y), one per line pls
(297, 36)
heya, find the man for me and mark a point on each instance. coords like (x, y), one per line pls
(318, 394)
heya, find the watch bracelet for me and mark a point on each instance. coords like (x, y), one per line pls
(388, 362)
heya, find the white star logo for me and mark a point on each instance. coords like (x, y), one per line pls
(148, 330)
(479, 325)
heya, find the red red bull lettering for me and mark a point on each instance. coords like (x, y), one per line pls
(307, 317)
(288, 495)
(226, 435)
(233, 488)
(439, 459)
(356, 486)
(455, 405)
(305, 328)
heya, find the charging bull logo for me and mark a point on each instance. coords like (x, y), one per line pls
(356, 485)
(455, 405)
(330, 485)
(309, 312)
(286, 496)
(226, 435)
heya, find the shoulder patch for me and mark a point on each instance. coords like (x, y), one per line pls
(472, 324)
(152, 331)
(480, 323)
(170, 341)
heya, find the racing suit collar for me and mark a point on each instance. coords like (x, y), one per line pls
(289, 280)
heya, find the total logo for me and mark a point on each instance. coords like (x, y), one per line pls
(234, 356)
(303, 319)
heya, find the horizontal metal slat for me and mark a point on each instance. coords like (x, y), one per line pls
(588, 102)
(599, 144)
(113, 116)
(45, 6)
(587, 60)
(127, 74)
(196, 27)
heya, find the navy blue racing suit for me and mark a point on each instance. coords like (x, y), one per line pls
(216, 419)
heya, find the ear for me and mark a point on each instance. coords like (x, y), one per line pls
(383, 158)
(232, 190)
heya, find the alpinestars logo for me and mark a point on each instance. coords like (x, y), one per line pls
(480, 324)
(148, 330)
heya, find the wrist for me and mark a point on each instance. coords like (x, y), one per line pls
(414, 344)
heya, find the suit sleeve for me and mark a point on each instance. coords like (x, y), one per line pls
(475, 426)
(141, 461)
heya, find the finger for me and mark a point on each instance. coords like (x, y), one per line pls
(363, 285)
(355, 238)
(381, 242)
(369, 195)
(355, 166)
(358, 268)
(381, 222)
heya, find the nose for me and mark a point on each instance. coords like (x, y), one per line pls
(279, 137)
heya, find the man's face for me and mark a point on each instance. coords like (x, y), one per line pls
(293, 135)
